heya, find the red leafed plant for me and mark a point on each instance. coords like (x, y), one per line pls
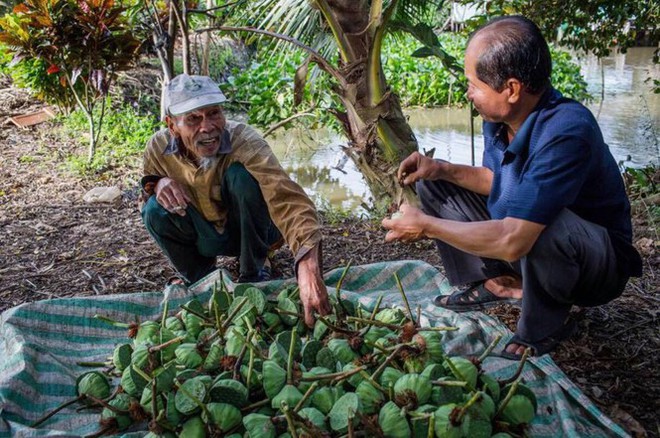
(84, 42)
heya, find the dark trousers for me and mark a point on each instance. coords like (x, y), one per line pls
(192, 243)
(572, 262)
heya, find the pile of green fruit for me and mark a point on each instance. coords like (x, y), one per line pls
(243, 366)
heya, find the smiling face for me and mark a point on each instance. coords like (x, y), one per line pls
(199, 130)
(493, 105)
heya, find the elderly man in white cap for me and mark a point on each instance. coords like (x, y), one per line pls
(215, 187)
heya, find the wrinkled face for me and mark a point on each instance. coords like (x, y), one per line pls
(493, 105)
(200, 130)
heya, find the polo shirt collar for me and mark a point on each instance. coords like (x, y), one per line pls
(521, 139)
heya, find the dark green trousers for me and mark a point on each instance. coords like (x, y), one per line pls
(192, 243)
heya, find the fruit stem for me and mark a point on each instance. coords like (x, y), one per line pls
(289, 363)
(334, 328)
(112, 322)
(157, 348)
(466, 406)
(405, 300)
(333, 376)
(56, 410)
(490, 348)
(196, 313)
(307, 395)
(289, 420)
(233, 313)
(459, 383)
(518, 372)
(386, 362)
(431, 432)
(507, 398)
(338, 290)
(375, 322)
(458, 374)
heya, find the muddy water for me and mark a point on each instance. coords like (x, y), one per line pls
(629, 118)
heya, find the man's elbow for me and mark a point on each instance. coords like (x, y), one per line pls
(515, 249)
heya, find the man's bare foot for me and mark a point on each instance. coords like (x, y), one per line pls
(505, 286)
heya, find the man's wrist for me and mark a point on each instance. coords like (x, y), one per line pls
(148, 183)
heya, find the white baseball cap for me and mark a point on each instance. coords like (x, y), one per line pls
(187, 93)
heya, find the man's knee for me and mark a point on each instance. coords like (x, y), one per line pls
(237, 180)
(152, 212)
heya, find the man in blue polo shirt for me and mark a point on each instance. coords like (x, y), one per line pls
(546, 220)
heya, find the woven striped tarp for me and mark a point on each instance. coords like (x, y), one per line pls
(42, 342)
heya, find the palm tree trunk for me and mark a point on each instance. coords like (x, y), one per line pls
(379, 134)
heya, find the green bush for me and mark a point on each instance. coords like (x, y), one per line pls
(265, 89)
(423, 81)
(126, 132)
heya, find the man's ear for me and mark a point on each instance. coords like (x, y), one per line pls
(171, 125)
(515, 88)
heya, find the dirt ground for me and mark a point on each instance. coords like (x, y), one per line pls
(56, 245)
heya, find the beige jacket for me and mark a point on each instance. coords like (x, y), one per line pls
(289, 207)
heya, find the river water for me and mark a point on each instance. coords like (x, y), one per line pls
(629, 118)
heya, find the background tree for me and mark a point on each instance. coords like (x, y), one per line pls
(84, 43)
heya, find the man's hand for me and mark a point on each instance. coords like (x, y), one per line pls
(416, 167)
(406, 226)
(172, 196)
(313, 294)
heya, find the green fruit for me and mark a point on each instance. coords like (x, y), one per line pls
(93, 384)
(320, 329)
(259, 426)
(420, 425)
(190, 395)
(284, 341)
(445, 425)
(490, 386)
(229, 391)
(212, 359)
(442, 395)
(479, 428)
(272, 320)
(315, 417)
(147, 333)
(145, 400)
(342, 350)
(432, 345)
(309, 352)
(483, 408)
(141, 358)
(370, 397)
(174, 324)
(274, 378)
(132, 382)
(519, 410)
(412, 389)
(434, 371)
(325, 398)
(356, 378)
(122, 402)
(121, 356)
(375, 333)
(193, 428)
(164, 377)
(393, 422)
(389, 377)
(326, 358)
(188, 356)
(223, 416)
(390, 316)
(465, 370)
(289, 308)
(522, 389)
(289, 394)
(219, 302)
(343, 411)
(257, 299)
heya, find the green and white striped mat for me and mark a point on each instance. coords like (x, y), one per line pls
(41, 342)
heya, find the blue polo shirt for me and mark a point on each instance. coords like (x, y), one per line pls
(558, 160)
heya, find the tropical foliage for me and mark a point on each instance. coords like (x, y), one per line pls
(84, 44)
